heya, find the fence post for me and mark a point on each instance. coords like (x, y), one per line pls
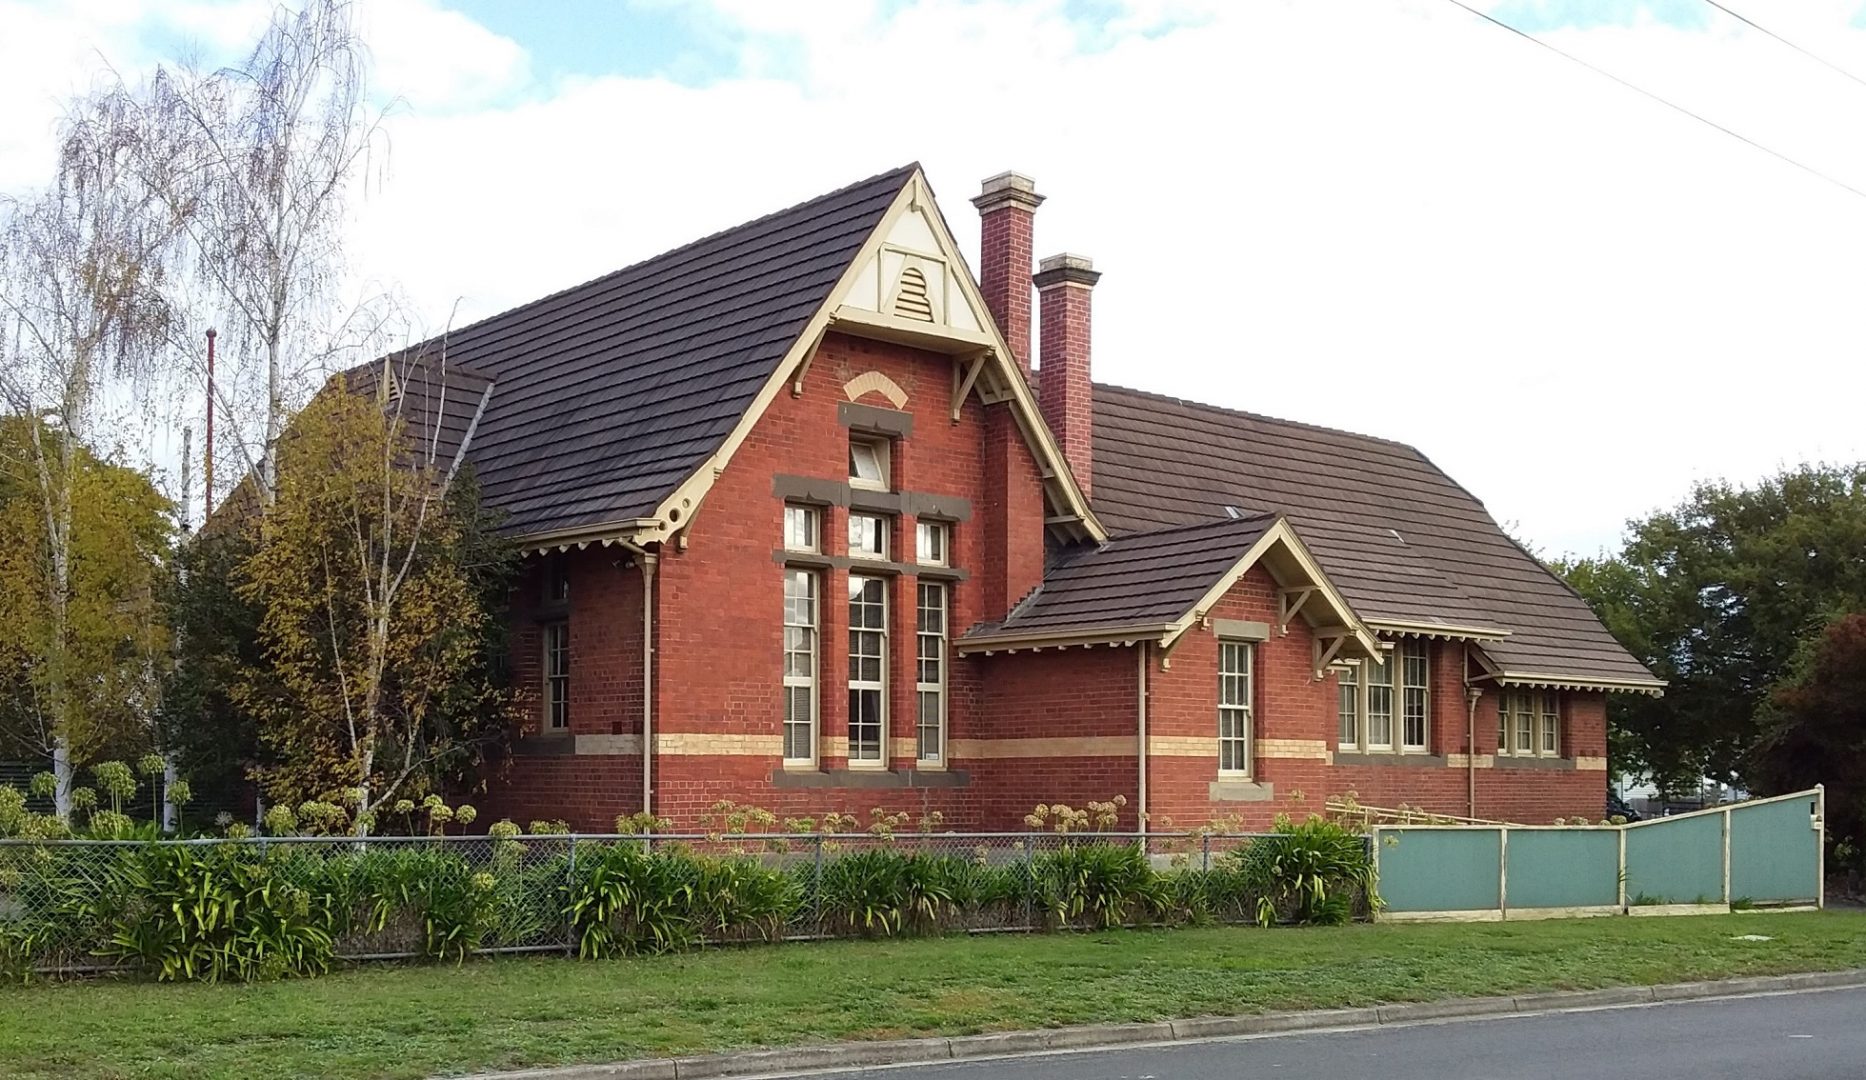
(1622, 877)
(570, 885)
(1205, 851)
(1503, 871)
(1030, 884)
(1726, 856)
(816, 887)
(1820, 846)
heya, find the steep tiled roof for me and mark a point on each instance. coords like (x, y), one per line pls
(608, 395)
(1401, 540)
(1144, 579)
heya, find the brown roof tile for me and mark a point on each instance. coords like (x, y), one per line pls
(609, 394)
(1401, 540)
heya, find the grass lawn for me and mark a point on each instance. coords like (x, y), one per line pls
(396, 1021)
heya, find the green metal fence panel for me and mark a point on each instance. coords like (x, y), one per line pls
(1562, 868)
(1675, 861)
(1775, 851)
(1449, 869)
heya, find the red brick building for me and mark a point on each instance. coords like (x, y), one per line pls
(806, 525)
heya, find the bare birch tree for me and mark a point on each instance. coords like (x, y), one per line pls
(257, 162)
(81, 269)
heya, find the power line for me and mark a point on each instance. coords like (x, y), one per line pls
(1740, 137)
(1817, 59)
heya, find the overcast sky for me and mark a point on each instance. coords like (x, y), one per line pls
(1388, 216)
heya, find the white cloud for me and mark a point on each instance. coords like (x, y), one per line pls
(1392, 218)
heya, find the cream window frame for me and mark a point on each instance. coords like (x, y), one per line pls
(883, 525)
(879, 452)
(1356, 678)
(932, 543)
(1540, 711)
(1237, 696)
(806, 681)
(807, 520)
(930, 647)
(877, 686)
(556, 640)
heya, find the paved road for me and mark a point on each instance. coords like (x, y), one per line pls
(1802, 1036)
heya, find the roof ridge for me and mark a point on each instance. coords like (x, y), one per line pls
(902, 170)
(1247, 414)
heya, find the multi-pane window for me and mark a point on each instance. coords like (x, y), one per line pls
(557, 676)
(1415, 671)
(930, 543)
(868, 660)
(802, 528)
(1529, 723)
(800, 623)
(1348, 705)
(1234, 707)
(1379, 674)
(868, 463)
(930, 673)
(1375, 694)
(868, 536)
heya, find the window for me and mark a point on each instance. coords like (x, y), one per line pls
(868, 463)
(802, 528)
(1529, 723)
(1234, 707)
(1379, 704)
(930, 674)
(930, 543)
(557, 676)
(1348, 706)
(800, 588)
(1415, 670)
(868, 536)
(557, 579)
(1367, 699)
(868, 660)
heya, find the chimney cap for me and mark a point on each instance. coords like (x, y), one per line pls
(1066, 269)
(1007, 189)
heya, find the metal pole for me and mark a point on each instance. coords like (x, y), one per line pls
(816, 886)
(570, 884)
(1205, 851)
(208, 454)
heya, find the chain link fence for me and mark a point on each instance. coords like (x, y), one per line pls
(84, 905)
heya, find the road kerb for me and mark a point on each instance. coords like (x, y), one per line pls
(1445, 1010)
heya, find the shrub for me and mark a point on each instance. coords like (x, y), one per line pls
(1106, 885)
(210, 914)
(1311, 872)
(625, 900)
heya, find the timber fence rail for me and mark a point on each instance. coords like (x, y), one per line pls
(65, 904)
(1764, 853)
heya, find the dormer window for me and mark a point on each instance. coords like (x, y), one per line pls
(868, 463)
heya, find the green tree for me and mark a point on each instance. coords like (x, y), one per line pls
(1813, 730)
(375, 575)
(84, 649)
(1718, 596)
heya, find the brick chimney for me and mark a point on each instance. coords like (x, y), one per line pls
(1064, 283)
(1007, 209)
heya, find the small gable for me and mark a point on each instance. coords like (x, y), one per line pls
(911, 278)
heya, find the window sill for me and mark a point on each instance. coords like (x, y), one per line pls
(1240, 789)
(870, 778)
(1511, 761)
(558, 743)
(1387, 757)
